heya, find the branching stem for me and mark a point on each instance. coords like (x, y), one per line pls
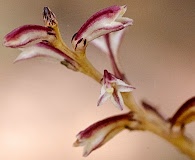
(149, 121)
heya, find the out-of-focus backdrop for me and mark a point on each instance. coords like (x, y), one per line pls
(43, 105)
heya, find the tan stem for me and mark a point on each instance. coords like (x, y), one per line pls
(159, 127)
(162, 128)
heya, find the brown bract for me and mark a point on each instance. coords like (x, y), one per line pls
(185, 114)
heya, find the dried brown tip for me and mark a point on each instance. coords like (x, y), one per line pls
(151, 108)
(185, 114)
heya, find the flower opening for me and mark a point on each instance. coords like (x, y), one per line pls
(112, 88)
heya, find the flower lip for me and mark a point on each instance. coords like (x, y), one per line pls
(23, 35)
(112, 88)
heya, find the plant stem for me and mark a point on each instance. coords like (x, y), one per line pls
(157, 126)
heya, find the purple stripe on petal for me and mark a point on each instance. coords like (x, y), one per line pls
(103, 137)
(107, 13)
(55, 50)
(113, 87)
(103, 97)
(88, 132)
(101, 132)
(117, 100)
(23, 35)
(44, 49)
(116, 26)
(103, 22)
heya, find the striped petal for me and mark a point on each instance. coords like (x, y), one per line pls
(117, 100)
(23, 35)
(123, 87)
(45, 49)
(40, 49)
(103, 22)
(101, 132)
(109, 43)
(112, 88)
(104, 96)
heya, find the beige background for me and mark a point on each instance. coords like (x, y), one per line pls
(43, 105)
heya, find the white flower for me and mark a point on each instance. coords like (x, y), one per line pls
(35, 40)
(102, 131)
(103, 22)
(112, 88)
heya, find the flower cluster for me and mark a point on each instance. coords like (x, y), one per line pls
(35, 40)
(105, 30)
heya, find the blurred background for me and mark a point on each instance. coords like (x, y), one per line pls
(43, 105)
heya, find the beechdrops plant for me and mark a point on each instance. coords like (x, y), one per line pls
(105, 30)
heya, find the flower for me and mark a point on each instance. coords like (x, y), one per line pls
(109, 44)
(103, 22)
(26, 34)
(112, 88)
(102, 131)
(35, 40)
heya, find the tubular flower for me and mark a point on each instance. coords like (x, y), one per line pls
(112, 88)
(101, 132)
(110, 44)
(26, 34)
(35, 40)
(103, 22)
